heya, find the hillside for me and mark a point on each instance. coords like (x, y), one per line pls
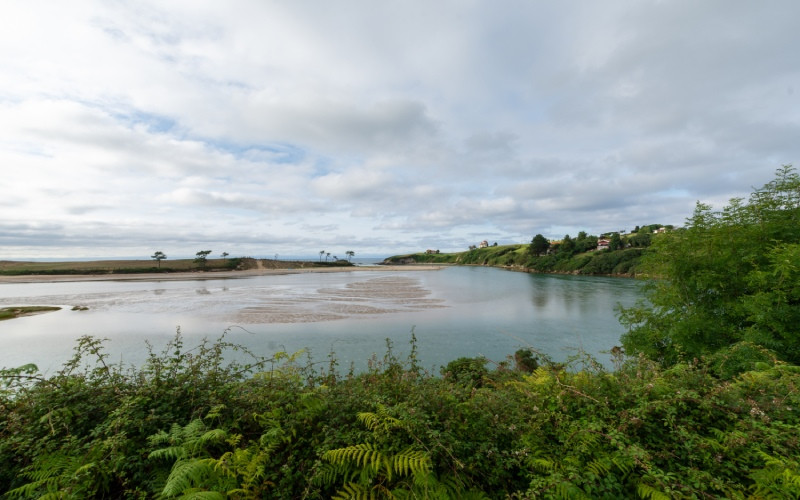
(518, 257)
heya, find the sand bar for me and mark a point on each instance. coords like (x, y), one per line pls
(205, 275)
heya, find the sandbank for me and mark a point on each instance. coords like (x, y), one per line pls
(205, 275)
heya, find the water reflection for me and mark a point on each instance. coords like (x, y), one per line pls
(460, 311)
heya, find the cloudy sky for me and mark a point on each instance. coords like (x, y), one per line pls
(262, 127)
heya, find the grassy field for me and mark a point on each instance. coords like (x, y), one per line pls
(10, 268)
(108, 266)
(102, 265)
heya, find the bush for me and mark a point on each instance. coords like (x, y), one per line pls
(191, 423)
(467, 371)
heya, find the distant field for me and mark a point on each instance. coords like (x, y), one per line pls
(108, 266)
(8, 267)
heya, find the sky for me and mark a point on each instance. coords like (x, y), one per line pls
(264, 127)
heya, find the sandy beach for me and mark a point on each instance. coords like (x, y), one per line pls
(205, 275)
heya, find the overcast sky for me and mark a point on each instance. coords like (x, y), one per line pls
(290, 127)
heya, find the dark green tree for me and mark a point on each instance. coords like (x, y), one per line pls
(728, 277)
(615, 242)
(539, 245)
(202, 257)
(585, 242)
(567, 247)
(158, 257)
(640, 239)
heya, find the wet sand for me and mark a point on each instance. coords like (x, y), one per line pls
(205, 275)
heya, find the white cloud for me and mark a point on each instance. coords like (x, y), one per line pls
(275, 127)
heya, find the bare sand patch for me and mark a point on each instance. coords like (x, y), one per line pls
(371, 297)
(204, 275)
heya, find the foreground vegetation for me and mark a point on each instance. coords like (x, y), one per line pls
(188, 423)
(729, 276)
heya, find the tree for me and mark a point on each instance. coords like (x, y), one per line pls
(728, 277)
(585, 242)
(350, 255)
(615, 243)
(641, 239)
(567, 246)
(202, 257)
(327, 255)
(224, 255)
(158, 257)
(539, 245)
(321, 253)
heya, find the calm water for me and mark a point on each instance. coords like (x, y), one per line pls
(456, 311)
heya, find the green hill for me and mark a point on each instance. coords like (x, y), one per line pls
(518, 257)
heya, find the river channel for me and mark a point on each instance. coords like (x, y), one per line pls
(453, 312)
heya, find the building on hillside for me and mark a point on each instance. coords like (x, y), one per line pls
(603, 244)
(484, 244)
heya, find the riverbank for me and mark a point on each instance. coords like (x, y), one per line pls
(205, 275)
(617, 263)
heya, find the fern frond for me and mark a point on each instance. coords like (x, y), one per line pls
(203, 495)
(379, 420)
(543, 465)
(215, 412)
(170, 453)
(327, 473)
(566, 489)
(212, 436)
(411, 462)
(364, 455)
(186, 473)
(29, 490)
(598, 467)
(646, 491)
(624, 464)
(353, 491)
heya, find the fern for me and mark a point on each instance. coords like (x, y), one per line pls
(187, 473)
(411, 462)
(353, 491)
(379, 420)
(777, 476)
(169, 453)
(364, 455)
(203, 495)
(646, 491)
(55, 474)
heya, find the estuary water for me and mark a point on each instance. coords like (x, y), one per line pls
(453, 312)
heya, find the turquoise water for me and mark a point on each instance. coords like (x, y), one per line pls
(456, 311)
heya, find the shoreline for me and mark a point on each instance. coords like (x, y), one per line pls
(205, 275)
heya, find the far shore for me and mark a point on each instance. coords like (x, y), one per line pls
(205, 275)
